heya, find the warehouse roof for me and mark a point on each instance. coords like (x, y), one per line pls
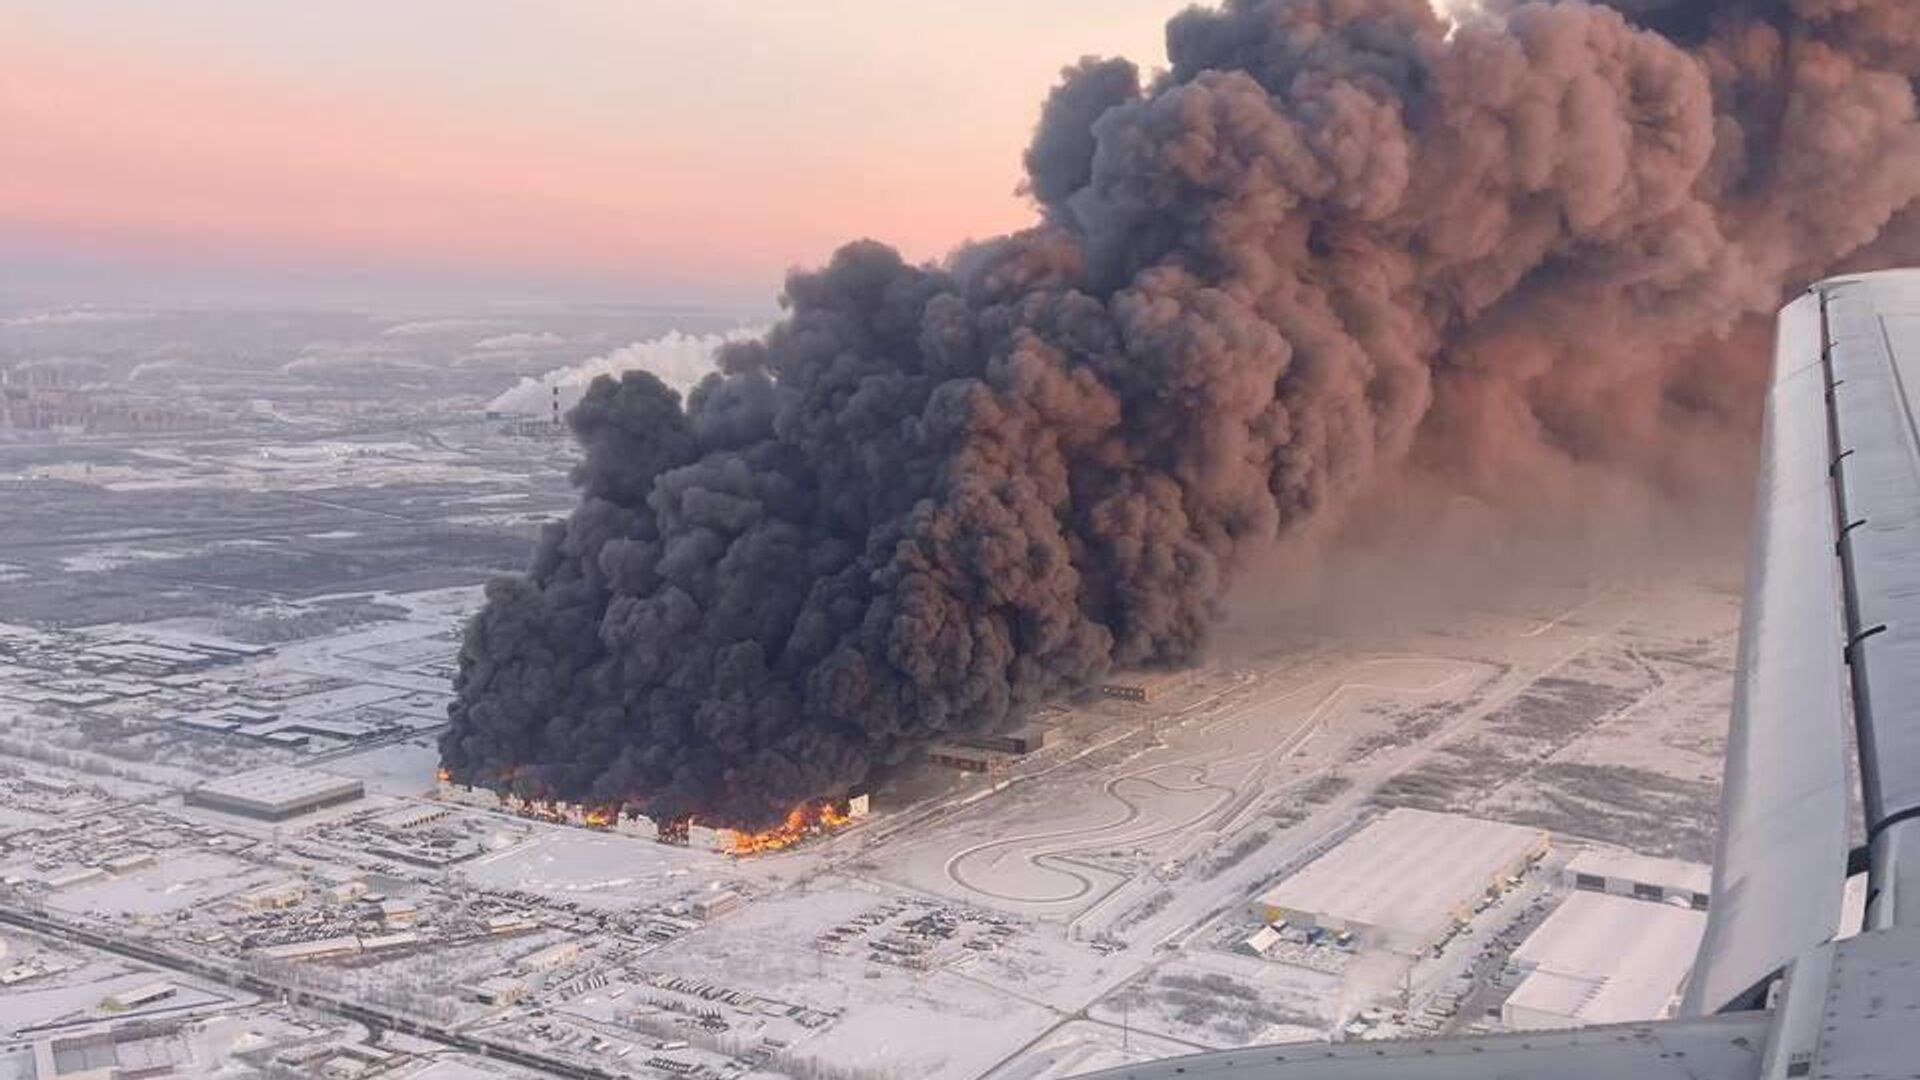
(1262, 941)
(1407, 872)
(1593, 934)
(301, 950)
(1644, 869)
(1601, 959)
(1555, 995)
(280, 785)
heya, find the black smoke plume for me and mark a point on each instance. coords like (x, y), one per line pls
(1337, 244)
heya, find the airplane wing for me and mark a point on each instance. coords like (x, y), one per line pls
(1829, 647)
(1873, 347)
(1780, 867)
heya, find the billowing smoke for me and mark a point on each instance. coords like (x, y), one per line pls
(1339, 244)
(677, 359)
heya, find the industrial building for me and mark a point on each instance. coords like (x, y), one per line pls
(1602, 959)
(1144, 686)
(283, 894)
(1406, 880)
(1020, 741)
(1642, 877)
(128, 863)
(398, 914)
(317, 949)
(714, 905)
(510, 924)
(332, 947)
(276, 793)
(146, 994)
(111, 1052)
(606, 819)
(1261, 941)
(971, 759)
(67, 877)
(413, 817)
(553, 956)
(498, 990)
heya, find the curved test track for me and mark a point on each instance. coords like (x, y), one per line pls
(1053, 859)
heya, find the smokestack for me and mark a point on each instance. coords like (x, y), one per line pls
(1337, 245)
(556, 406)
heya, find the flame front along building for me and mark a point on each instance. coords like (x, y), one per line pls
(801, 823)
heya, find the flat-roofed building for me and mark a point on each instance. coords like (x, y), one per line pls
(127, 1051)
(498, 990)
(398, 914)
(1019, 741)
(318, 949)
(552, 956)
(1406, 880)
(276, 792)
(470, 795)
(413, 817)
(379, 942)
(1261, 942)
(48, 785)
(973, 759)
(68, 876)
(1603, 959)
(1144, 686)
(714, 905)
(282, 894)
(145, 994)
(1643, 877)
(128, 863)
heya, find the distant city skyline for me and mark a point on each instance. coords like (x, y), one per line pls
(667, 151)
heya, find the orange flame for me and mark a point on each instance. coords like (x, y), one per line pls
(443, 776)
(593, 816)
(803, 821)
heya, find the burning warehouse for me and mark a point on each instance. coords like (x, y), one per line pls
(803, 822)
(1334, 256)
(608, 818)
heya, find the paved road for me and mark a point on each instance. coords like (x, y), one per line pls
(373, 1017)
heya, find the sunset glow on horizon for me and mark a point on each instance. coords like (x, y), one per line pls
(696, 149)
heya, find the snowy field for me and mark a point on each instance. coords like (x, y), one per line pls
(1079, 908)
(173, 884)
(594, 869)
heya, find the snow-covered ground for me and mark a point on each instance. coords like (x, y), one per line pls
(1078, 909)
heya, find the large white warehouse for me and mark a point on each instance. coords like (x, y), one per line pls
(1642, 877)
(1603, 959)
(275, 792)
(1405, 880)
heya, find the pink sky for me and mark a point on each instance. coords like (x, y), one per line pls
(698, 149)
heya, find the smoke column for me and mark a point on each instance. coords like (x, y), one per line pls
(679, 360)
(1338, 244)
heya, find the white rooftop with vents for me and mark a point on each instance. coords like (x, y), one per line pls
(1404, 880)
(1603, 959)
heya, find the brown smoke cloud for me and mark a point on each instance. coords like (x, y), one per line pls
(1339, 245)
